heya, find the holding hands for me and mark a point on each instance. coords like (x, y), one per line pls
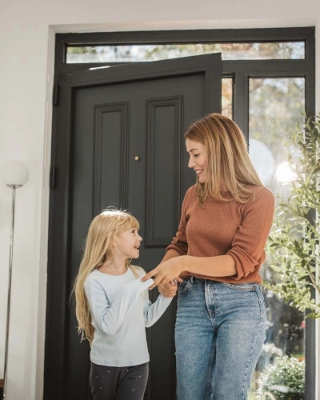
(168, 290)
(167, 273)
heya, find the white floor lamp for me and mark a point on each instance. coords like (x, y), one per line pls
(14, 174)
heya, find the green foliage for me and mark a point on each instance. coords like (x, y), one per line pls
(284, 379)
(293, 244)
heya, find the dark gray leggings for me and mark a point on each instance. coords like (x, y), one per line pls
(118, 383)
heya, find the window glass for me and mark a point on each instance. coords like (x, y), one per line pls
(276, 107)
(154, 52)
(227, 97)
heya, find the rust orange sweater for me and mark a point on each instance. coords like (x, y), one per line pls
(240, 230)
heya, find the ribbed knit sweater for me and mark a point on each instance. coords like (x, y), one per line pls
(218, 228)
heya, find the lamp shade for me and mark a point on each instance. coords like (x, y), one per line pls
(14, 173)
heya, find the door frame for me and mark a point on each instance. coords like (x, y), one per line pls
(239, 70)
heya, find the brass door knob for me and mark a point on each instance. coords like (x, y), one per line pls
(136, 158)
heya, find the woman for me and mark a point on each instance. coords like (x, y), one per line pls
(216, 256)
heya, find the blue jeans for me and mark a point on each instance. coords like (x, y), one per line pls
(220, 329)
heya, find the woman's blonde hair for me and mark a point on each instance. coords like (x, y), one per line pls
(227, 157)
(103, 229)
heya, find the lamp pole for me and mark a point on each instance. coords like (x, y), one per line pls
(14, 188)
(14, 174)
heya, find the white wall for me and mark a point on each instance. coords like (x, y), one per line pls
(26, 73)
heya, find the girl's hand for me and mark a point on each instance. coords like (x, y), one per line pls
(166, 272)
(168, 289)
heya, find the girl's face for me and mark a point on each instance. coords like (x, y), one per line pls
(197, 159)
(127, 244)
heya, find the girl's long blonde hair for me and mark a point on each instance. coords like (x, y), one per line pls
(103, 228)
(228, 162)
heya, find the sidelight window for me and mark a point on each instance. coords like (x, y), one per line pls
(276, 107)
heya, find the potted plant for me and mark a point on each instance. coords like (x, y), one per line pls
(282, 380)
(293, 244)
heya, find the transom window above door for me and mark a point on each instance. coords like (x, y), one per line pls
(155, 52)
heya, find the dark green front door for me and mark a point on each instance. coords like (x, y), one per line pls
(119, 142)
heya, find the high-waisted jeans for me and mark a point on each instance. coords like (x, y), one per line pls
(220, 329)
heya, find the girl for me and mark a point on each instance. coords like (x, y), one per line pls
(218, 251)
(113, 307)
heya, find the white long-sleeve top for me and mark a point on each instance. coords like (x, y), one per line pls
(121, 310)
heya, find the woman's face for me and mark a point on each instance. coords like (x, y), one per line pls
(197, 159)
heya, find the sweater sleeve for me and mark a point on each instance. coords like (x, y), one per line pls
(109, 317)
(248, 244)
(179, 242)
(152, 312)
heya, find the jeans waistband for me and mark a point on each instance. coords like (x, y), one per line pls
(193, 278)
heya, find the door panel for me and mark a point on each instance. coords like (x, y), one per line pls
(125, 127)
(164, 119)
(111, 137)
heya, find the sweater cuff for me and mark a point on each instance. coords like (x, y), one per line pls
(166, 300)
(240, 271)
